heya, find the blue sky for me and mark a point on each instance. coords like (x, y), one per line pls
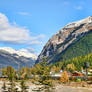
(28, 24)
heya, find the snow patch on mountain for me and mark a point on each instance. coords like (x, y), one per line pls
(24, 53)
(78, 23)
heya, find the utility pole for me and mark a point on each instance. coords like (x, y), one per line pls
(86, 66)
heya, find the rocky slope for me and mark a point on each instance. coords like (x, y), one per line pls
(71, 41)
(15, 58)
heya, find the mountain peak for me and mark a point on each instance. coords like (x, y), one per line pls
(64, 38)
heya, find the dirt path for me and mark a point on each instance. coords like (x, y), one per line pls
(72, 89)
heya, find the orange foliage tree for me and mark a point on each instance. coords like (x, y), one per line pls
(64, 77)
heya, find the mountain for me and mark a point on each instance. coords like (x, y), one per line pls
(15, 58)
(74, 40)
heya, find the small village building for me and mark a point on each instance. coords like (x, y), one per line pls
(77, 74)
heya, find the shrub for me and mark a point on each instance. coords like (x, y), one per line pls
(78, 80)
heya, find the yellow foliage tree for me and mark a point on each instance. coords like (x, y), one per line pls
(4, 71)
(55, 69)
(25, 73)
(70, 67)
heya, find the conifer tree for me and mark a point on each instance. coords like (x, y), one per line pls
(44, 78)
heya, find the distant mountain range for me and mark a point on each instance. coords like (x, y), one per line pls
(15, 58)
(74, 40)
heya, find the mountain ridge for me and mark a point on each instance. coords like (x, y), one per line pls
(64, 38)
(19, 52)
(16, 58)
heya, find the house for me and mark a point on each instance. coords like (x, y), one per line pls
(76, 73)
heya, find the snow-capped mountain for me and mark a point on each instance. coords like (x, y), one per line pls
(15, 58)
(19, 52)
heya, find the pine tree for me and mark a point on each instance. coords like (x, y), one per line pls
(44, 78)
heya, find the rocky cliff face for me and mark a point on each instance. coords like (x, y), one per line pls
(65, 38)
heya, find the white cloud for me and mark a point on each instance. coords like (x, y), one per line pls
(38, 37)
(14, 34)
(30, 50)
(24, 13)
(35, 42)
(78, 7)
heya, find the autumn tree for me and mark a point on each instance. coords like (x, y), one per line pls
(25, 73)
(64, 77)
(70, 67)
(11, 73)
(55, 69)
(4, 71)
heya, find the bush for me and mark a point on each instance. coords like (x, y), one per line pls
(78, 80)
